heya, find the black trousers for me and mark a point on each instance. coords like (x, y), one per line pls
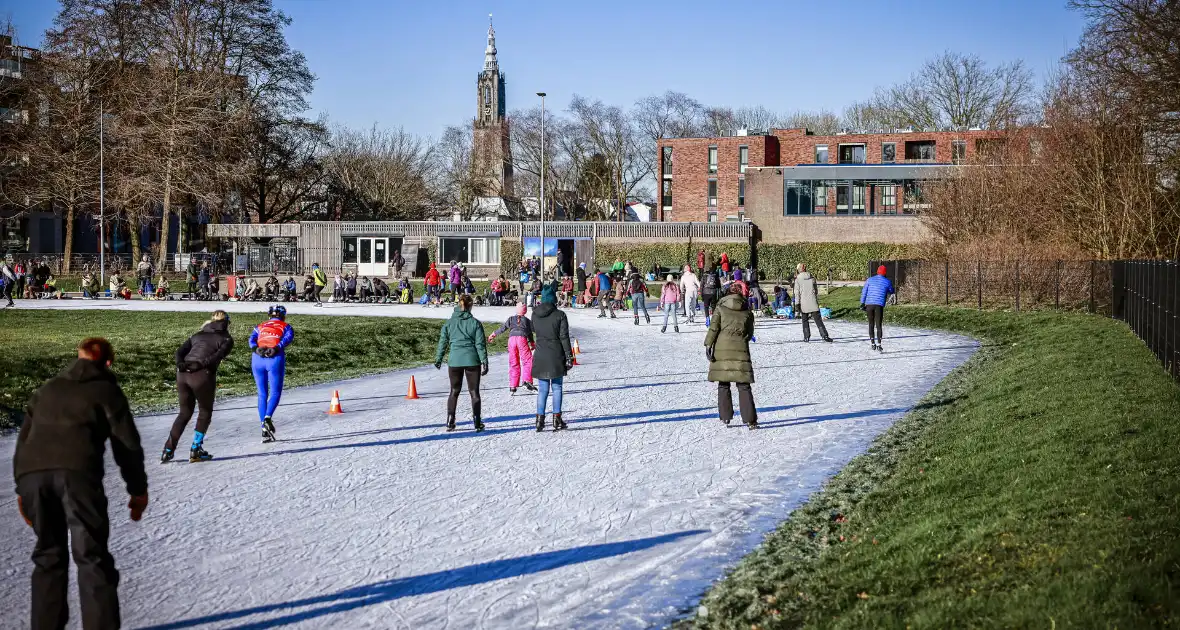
(69, 512)
(745, 402)
(876, 315)
(457, 374)
(710, 302)
(8, 286)
(192, 288)
(819, 323)
(195, 390)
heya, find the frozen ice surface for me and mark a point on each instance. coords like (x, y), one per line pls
(380, 519)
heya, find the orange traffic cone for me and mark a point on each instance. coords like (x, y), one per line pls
(575, 361)
(577, 348)
(413, 393)
(335, 409)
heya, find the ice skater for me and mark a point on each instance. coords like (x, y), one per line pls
(669, 302)
(690, 290)
(807, 302)
(876, 291)
(269, 342)
(554, 356)
(520, 349)
(638, 290)
(197, 360)
(727, 346)
(462, 337)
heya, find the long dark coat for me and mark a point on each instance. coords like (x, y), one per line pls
(552, 331)
(731, 329)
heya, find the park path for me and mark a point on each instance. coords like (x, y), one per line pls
(379, 519)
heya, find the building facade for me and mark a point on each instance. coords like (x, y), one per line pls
(709, 179)
(491, 141)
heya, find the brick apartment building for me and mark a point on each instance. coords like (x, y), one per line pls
(866, 174)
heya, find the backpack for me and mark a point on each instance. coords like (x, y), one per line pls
(710, 283)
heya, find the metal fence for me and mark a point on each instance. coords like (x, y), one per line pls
(1146, 295)
(275, 258)
(1017, 285)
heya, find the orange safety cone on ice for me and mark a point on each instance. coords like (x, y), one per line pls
(575, 359)
(335, 409)
(413, 393)
(577, 348)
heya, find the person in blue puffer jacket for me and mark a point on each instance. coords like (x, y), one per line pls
(876, 291)
(269, 342)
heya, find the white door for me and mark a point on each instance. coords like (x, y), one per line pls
(373, 257)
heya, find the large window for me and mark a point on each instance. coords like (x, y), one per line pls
(667, 161)
(858, 198)
(852, 154)
(350, 249)
(471, 251)
(888, 152)
(821, 154)
(842, 199)
(743, 158)
(741, 192)
(821, 199)
(888, 199)
(712, 159)
(667, 193)
(958, 151)
(920, 150)
(798, 198)
(913, 199)
(712, 193)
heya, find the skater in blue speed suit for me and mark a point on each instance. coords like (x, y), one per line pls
(269, 364)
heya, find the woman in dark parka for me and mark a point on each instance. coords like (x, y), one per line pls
(728, 348)
(553, 356)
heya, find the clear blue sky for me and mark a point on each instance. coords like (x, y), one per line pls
(413, 63)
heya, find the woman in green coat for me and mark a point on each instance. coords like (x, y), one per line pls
(727, 346)
(463, 336)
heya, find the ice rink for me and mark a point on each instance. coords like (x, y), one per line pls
(379, 519)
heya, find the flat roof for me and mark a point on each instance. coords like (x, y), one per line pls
(862, 171)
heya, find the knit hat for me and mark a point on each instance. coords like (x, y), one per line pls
(881, 270)
(548, 294)
(582, 266)
(669, 279)
(521, 309)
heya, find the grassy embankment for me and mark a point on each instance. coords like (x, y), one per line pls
(1037, 486)
(35, 345)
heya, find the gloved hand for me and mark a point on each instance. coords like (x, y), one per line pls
(862, 306)
(138, 505)
(438, 366)
(709, 354)
(20, 505)
(569, 364)
(483, 370)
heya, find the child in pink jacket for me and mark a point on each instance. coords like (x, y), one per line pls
(520, 348)
(669, 303)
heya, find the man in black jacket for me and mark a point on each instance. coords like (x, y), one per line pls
(58, 465)
(197, 360)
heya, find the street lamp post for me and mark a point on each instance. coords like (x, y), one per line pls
(542, 95)
(102, 268)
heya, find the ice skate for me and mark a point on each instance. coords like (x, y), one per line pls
(827, 340)
(478, 424)
(663, 329)
(268, 430)
(198, 454)
(752, 425)
(880, 348)
(558, 423)
(540, 422)
(166, 456)
(601, 316)
(676, 329)
(613, 316)
(636, 320)
(450, 423)
(269, 424)
(529, 386)
(512, 391)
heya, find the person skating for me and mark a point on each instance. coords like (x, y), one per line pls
(321, 282)
(807, 301)
(604, 297)
(553, 357)
(269, 342)
(873, 296)
(433, 283)
(8, 282)
(197, 360)
(727, 346)
(58, 467)
(690, 289)
(520, 349)
(463, 342)
(710, 292)
(581, 277)
(669, 303)
(455, 278)
(638, 291)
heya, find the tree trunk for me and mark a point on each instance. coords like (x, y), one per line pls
(69, 229)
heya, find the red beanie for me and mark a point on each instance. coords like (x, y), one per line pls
(881, 270)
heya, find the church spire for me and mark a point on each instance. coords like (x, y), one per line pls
(489, 55)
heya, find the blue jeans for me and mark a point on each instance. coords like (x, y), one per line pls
(638, 301)
(670, 309)
(544, 384)
(268, 376)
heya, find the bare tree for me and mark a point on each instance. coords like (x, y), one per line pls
(720, 121)
(607, 130)
(284, 170)
(822, 122)
(459, 188)
(756, 118)
(381, 174)
(668, 115)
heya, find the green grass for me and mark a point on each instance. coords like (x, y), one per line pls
(38, 344)
(1036, 486)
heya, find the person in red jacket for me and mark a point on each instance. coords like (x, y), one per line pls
(725, 265)
(433, 282)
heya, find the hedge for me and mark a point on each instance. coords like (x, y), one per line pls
(847, 260)
(511, 253)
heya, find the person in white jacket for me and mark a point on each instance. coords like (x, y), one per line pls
(690, 288)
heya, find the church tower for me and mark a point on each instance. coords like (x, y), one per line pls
(492, 150)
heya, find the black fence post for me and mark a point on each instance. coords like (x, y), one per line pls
(1017, 286)
(1092, 264)
(919, 281)
(1057, 290)
(948, 282)
(979, 282)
